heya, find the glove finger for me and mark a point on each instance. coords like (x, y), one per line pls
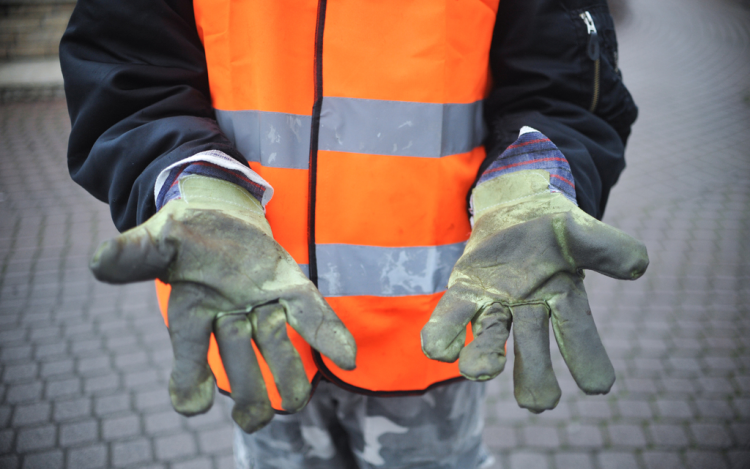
(577, 337)
(534, 382)
(484, 357)
(444, 335)
(133, 256)
(252, 409)
(309, 314)
(597, 246)
(191, 384)
(269, 332)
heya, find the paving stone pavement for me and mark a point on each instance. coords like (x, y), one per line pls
(84, 365)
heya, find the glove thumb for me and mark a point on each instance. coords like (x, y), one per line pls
(133, 256)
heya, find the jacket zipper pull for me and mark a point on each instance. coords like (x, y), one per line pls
(593, 48)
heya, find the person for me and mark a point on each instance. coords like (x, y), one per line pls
(353, 204)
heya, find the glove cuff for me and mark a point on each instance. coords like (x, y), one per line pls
(213, 163)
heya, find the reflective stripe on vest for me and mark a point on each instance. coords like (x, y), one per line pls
(399, 135)
(347, 270)
(368, 126)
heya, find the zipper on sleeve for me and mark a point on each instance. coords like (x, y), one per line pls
(594, 54)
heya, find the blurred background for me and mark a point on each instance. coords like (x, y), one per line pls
(85, 365)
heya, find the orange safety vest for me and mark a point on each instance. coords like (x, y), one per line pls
(366, 118)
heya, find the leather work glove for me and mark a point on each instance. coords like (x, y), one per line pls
(229, 277)
(523, 265)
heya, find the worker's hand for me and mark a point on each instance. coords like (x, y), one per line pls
(229, 277)
(523, 265)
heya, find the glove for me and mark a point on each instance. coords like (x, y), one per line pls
(523, 265)
(229, 277)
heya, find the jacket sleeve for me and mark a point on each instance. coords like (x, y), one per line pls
(137, 90)
(549, 73)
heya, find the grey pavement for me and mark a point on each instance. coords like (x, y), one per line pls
(85, 365)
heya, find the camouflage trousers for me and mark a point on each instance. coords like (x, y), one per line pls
(441, 429)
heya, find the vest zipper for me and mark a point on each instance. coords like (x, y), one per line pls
(323, 371)
(593, 52)
(314, 131)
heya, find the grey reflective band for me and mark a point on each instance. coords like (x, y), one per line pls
(305, 268)
(349, 270)
(273, 139)
(368, 126)
(400, 128)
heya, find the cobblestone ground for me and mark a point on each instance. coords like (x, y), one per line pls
(84, 365)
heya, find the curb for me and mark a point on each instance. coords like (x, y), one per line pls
(31, 80)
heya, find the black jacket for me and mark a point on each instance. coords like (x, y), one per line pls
(138, 97)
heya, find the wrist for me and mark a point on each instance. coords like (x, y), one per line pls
(517, 198)
(509, 189)
(208, 193)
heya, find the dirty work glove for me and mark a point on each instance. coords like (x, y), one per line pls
(229, 277)
(523, 265)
